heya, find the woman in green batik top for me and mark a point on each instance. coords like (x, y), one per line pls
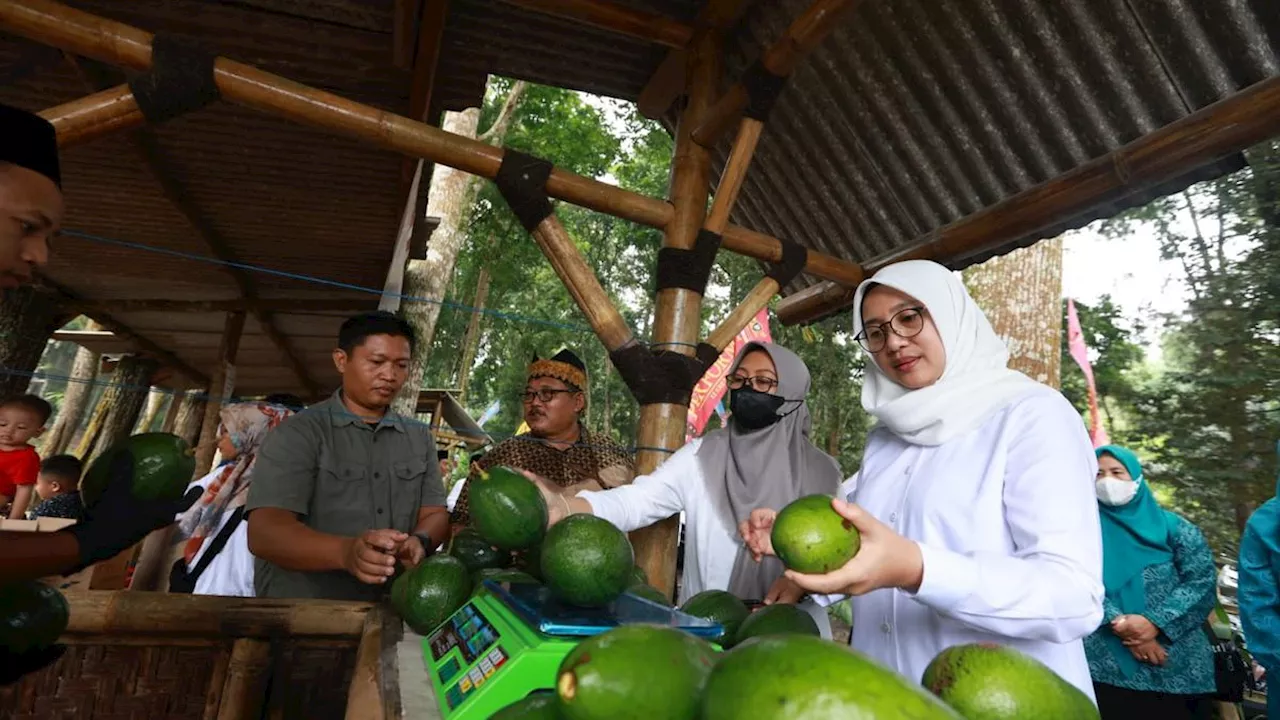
(1151, 656)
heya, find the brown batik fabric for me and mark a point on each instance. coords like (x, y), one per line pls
(593, 463)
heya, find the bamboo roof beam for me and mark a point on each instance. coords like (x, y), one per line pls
(613, 17)
(283, 305)
(117, 43)
(91, 117)
(667, 82)
(804, 34)
(1214, 132)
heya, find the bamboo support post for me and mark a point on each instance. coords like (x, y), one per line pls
(756, 300)
(677, 311)
(582, 283)
(735, 171)
(245, 689)
(120, 44)
(364, 696)
(205, 616)
(1230, 125)
(623, 20)
(804, 34)
(89, 118)
(219, 390)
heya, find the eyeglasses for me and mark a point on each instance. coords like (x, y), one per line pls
(758, 383)
(546, 395)
(906, 323)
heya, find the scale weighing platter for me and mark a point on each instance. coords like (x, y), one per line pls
(507, 642)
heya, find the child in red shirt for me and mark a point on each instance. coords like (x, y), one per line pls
(21, 419)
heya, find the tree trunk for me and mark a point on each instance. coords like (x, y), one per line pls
(449, 198)
(471, 341)
(123, 401)
(1021, 294)
(74, 402)
(171, 413)
(155, 399)
(28, 318)
(190, 416)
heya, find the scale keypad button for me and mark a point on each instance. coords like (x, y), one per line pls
(477, 677)
(465, 685)
(497, 657)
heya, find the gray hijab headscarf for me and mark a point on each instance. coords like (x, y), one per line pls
(766, 468)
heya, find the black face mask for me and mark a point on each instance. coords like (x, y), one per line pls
(754, 410)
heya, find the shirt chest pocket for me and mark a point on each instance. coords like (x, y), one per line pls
(407, 478)
(342, 501)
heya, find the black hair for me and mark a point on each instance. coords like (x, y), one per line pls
(289, 400)
(359, 328)
(63, 467)
(475, 456)
(34, 403)
(442, 454)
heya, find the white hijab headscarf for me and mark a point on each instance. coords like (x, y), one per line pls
(976, 382)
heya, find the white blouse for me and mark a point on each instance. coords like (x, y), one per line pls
(711, 546)
(1007, 523)
(231, 572)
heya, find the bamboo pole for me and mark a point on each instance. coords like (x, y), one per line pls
(581, 281)
(219, 390)
(245, 689)
(89, 118)
(120, 44)
(755, 301)
(735, 171)
(1230, 125)
(804, 34)
(206, 616)
(616, 18)
(364, 696)
(677, 311)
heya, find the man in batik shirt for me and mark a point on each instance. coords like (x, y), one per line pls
(558, 446)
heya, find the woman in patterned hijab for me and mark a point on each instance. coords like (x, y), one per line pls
(230, 572)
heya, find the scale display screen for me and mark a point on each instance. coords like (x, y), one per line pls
(536, 605)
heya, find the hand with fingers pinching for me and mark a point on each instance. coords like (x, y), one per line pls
(784, 592)
(371, 557)
(885, 560)
(757, 532)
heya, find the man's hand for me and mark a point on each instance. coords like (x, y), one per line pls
(119, 520)
(1134, 629)
(411, 552)
(1150, 652)
(557, 505)
(371, 558)
(784, 591)
(885, 559)
(757, 532)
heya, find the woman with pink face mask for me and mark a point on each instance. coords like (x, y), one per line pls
(975, 500)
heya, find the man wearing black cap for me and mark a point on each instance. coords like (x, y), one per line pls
(30, 215)
(558, 446)
(30, 194)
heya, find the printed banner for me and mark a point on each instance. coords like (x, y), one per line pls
(1080, 352)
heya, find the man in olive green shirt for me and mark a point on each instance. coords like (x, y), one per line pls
(345, 489)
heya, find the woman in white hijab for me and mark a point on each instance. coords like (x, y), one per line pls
(763, 458)
(975, 499)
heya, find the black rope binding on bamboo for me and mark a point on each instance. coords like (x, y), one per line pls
(180, 80)
(794, 258)
(522, 181)
(763, 89)
(662, 376)
(688, 269)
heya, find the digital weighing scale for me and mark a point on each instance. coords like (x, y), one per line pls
(509, 639)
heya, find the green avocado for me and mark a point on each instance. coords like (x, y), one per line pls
(811, 537)
(635, 672)
(432, 591)
(477, 553)
(778, 619)
(539, 706)
(162, 468)
(586, 561)
(507, 509)
(986, 681)
(639, 576)
(797, 677)
(722, 607)
(649, 592)
(32, 616)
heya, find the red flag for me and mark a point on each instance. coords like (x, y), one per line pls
(1080, 352)
(711, 388)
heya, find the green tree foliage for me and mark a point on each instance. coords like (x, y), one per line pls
(1117, 363)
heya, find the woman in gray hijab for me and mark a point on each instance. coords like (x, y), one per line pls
(762, 459)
